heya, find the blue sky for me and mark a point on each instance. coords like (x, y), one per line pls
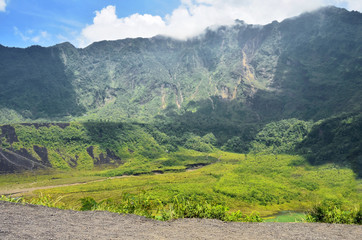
(25, 20)
(81, 22)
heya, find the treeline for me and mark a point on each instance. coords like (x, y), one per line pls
(333, 140)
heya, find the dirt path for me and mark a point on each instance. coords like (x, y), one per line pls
(38, 222)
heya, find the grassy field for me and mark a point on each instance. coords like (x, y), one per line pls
(266, 184)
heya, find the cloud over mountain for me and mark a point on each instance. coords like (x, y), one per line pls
(193, 16)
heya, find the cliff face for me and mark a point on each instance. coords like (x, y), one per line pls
(308, 67)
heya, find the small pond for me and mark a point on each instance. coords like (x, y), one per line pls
(286, 216)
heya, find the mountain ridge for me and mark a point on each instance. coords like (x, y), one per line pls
(151, 75)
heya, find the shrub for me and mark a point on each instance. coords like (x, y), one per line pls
(179, 207)
(197, 143)
(334, 213)
(88, 204)
(48, 201)
(11, 199)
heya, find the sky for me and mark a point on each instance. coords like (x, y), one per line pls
(81, 22)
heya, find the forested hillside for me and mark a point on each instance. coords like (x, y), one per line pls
(158, 147)
(307, 67)
(290, 87)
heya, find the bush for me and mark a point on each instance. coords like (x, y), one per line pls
(88, 204)
(197, 143)
(281, 136)
(11, 199)
(236, 144)
(334, 213)
(179, 207)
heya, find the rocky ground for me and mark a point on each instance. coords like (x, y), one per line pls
(37, 222)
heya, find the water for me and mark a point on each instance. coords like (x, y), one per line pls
(286, 216)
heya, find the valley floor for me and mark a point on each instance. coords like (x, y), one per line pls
(266, 184)
(38, 222)
(19, 192)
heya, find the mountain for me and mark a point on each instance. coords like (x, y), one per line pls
(273, 88)
(308, 67)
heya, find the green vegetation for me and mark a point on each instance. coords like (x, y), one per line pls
(264, 183)
(138, 148)
(222, 76)
(333, 212)
(281, 136)
(10, 199)
(177, 207)
(275, 127)
(335, 140)
(172, 162)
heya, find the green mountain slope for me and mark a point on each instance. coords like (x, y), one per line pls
(34, 84)
(307, 67)
(137, 148)
(336, 140)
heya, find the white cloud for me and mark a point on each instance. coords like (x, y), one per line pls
(62, 38)
(2, 5)
(20, 34)
(193, 16)
(44, 34)
(106, 25)
(355, 5)
(35, 39)
(30, 35)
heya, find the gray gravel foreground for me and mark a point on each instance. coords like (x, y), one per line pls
(38, 222)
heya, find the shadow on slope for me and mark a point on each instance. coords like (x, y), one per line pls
(335, 140)
(34, 83)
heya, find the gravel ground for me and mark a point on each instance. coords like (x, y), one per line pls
(38, 222)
